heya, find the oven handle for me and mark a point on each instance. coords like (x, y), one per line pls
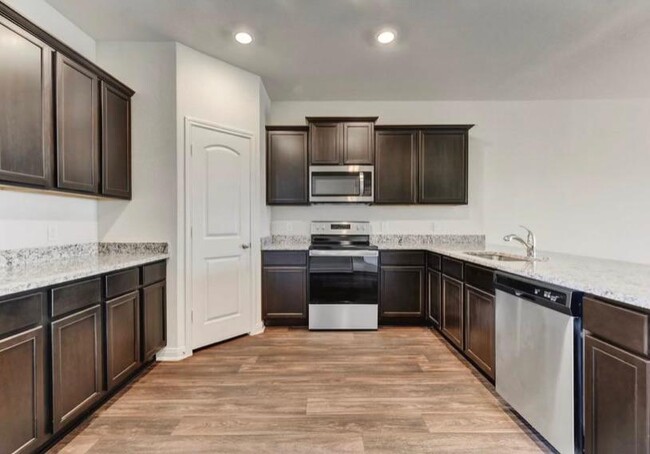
(340, 253)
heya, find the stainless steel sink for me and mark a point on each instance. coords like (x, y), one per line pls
(500, 256)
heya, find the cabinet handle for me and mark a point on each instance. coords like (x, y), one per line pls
(246, 246)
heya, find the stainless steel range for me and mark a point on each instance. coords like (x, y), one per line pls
(343, 277)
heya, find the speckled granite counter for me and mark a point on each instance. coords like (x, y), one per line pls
(286, 243)
(27, 269)
(625, 282)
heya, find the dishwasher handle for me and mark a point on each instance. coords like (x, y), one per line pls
(554, 297)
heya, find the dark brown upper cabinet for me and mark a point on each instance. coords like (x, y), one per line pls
(358, 143)
(49, 90)
(421, 164)
(396, 166)
(287, 165)
(443, 167)
(77, 127)
(341, 140)
(326, 143)
(26, 116)
(116, 142)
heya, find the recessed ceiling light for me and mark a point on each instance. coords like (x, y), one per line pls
(386, 37)
(243, 38)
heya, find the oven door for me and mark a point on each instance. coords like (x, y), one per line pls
(343, 277)
(341, 184)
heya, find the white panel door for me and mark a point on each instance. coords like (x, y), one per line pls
(219, 180)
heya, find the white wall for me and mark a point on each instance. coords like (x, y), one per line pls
(211, 90)
(574, 171)
(150, 70)
(41, 219)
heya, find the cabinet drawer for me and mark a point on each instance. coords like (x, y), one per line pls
(122, 282)
(434, 261)
(480, 278)
(154, 273)
(402, 258)
(284, 258)
(453, 268)
(623, 327)
(72, 297)
(21, 312)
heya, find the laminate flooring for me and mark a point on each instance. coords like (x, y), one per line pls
(396, 390)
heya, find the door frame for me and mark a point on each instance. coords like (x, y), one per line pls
(187, 222)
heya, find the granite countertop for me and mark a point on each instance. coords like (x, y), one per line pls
(27, 269)
(624, 282)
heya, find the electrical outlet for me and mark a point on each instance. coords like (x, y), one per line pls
(52, 233)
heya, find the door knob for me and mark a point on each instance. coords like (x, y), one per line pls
(246, 246)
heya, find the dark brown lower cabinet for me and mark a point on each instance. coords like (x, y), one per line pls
(616, 399)
(401, 294)
(22, 391)
(452, 310)
(122, 337)
(434, 296)
(154, 336)
(479, 328)
(77, 364)
(284, 295)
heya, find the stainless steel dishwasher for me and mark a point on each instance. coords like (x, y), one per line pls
(539, 357)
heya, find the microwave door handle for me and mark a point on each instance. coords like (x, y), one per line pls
(361, 184)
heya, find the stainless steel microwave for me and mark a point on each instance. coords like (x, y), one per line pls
(341, 184)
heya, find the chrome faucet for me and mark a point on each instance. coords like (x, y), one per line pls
(529, 242)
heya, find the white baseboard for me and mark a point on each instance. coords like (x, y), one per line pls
(173, 354)
(257, 329)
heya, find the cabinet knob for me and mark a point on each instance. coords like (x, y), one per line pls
(246, 246)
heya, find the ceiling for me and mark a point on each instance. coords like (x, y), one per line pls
(445, 49)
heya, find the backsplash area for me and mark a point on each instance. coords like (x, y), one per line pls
(419, 227)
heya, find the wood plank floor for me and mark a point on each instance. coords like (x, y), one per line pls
(397, 390)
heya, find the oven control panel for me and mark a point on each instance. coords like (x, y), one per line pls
(340, 228)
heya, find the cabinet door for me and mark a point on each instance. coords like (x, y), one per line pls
(154, 320)
(358, 143)
(443, 167)
(22, 392)
(122, 337)
(434, 296)
(26, 116)
(479, 329)
(452, 310)
(616, 399)
(77, 366)
(287, 168)
(284, 294)
(325, 143)
(77, 127)
(116, 142)
(396, 167)
(401, 292)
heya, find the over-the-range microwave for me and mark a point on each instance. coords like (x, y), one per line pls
(341, 184)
